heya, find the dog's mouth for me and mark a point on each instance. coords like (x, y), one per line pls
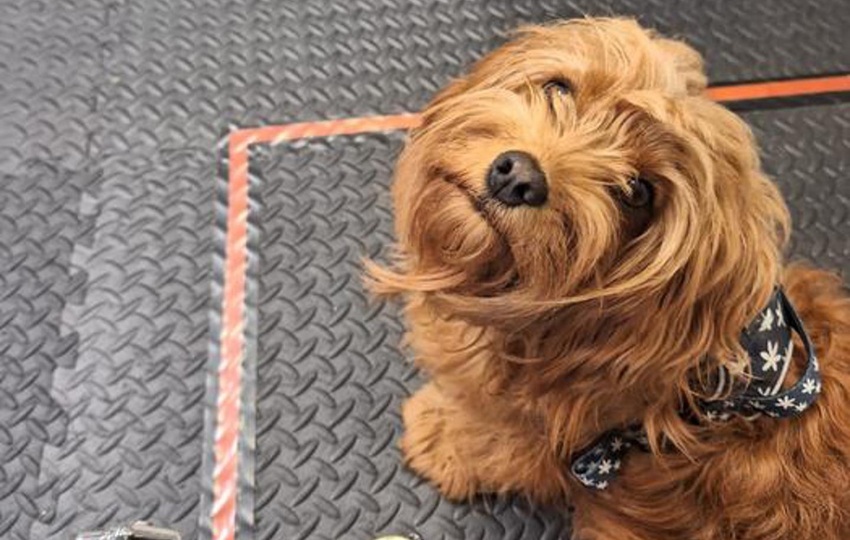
(497, 276)
(485, 207)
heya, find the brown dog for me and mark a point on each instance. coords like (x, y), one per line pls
(583, 236)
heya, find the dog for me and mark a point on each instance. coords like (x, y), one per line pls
(588, 251)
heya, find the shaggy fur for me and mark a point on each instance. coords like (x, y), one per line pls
(542, 327)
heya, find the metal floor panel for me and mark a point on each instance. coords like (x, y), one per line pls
(40, 223)
(807, 152)
(103, 295)
(331, 376)
(110, 113)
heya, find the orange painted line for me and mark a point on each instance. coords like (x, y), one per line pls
(776, 89)
(243, 138)
(232, 338)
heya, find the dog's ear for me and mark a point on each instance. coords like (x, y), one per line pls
(688, 63)
(736, 227)
(743, 228)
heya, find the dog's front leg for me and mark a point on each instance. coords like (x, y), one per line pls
(464, 450)
(432, 444)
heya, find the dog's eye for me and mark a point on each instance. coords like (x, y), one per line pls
(559, 88)
(639, 194)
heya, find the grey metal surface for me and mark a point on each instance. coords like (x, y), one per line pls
(807, 151)
(110, 111)
(104, 337)
(331, 376)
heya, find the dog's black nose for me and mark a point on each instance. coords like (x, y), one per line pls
(515, 178)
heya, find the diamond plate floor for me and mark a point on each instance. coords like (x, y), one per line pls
(103, 338)
(331, 375)
(110, 113)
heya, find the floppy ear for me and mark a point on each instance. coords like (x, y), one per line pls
(745, 224)
(733, 263)
(688, 63)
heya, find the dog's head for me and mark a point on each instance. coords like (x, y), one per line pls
(577, 185)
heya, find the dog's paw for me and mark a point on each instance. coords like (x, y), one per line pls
(429, 446)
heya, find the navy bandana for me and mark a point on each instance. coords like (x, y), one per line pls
(768, 341)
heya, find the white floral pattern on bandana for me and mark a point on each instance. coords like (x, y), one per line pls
(768, 341)
(597, 467)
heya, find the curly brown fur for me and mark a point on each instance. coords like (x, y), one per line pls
(542, 327)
